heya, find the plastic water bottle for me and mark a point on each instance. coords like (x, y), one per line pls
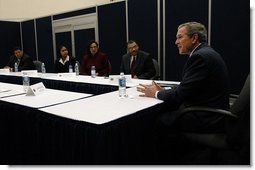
(76, 68)
(43, 68)
(122, 85)
(70, 68)
(16, 67)
(26, 82)
(93, 71)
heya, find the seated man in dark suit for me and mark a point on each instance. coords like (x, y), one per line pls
(205, 80)
(24, 61)
(137, 63)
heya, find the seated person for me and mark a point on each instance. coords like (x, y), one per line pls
(137, 63)
(94, 57)
(24, 61)
(64, 60)
(205, 81)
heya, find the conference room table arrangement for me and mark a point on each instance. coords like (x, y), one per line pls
(61, 126)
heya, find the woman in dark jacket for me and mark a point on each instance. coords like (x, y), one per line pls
(95, 57)
(64, 60)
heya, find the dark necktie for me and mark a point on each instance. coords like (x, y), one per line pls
(132, 67)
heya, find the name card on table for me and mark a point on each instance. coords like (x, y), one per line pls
(115, 78)
(66, 75)
(36, 89)
(29, 72)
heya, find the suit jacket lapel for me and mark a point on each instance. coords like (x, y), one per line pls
(199, 47)
(128, 62)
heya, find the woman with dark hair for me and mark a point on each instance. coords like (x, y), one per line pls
(94, 57)
(63, 60)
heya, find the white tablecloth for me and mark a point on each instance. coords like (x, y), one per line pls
(88, 79)
(103, 108)
(7, 90)
(47, 98)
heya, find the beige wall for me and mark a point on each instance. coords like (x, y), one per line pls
(18, 10)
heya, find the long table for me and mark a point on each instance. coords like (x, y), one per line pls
(101, 129)
(81, 83)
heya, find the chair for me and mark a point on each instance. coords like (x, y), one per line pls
(157, 74)
(232, 99)
(233, 145)
(38, 65)
(110, 67)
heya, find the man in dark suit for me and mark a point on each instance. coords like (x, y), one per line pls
(24, 61)
(137, 63)
(205, 82)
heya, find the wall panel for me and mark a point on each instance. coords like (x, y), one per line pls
(74, 13)
(231, 38)
(143, 24)
(10, 35)
(28, 37)
(112, 32)
(178, 12)
(44, 42)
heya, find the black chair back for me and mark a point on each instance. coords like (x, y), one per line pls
(157, 74)
(38, 65)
